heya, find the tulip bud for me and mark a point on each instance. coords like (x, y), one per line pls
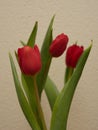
(58, 45)
(73, 54)
(29, 60)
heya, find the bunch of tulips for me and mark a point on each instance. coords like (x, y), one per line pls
(34, 67)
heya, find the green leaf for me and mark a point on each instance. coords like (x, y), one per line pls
(29, 90)
(28, 86)
(22, 43)
(51, 92)
(46, 58)
(22, 99)
(63, 102)
(31, 40)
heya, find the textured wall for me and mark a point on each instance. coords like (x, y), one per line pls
(77, 18)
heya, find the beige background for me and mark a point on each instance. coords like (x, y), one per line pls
(78, 19)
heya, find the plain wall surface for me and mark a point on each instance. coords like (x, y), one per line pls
(79, 20)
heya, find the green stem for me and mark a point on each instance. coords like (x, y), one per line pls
(41, 115)
(68, 73)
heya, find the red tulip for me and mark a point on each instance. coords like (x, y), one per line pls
(29, 60)
(58, 45)
(73, 54)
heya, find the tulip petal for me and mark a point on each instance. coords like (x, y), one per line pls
(58, 45)
(22, 99)
(29, 60)
(63, 102)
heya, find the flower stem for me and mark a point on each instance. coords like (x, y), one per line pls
(41, 115)
(68, 73)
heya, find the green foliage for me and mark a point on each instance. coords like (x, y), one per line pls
(63, 102)
(46, 58)
(51, 92)
(60, 102)
(32, 38)
(27, 110)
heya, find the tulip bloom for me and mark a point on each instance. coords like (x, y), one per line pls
(73, 54)
(58, 45)
(29, 60)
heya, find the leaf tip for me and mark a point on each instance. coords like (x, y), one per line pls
(53, 17)
(36, 23)
(23, 44)
(91, 43)
(89, 48)
(9, 55)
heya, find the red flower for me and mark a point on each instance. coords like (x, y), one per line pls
(29, 60)
(73, 54)
(58, 45)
